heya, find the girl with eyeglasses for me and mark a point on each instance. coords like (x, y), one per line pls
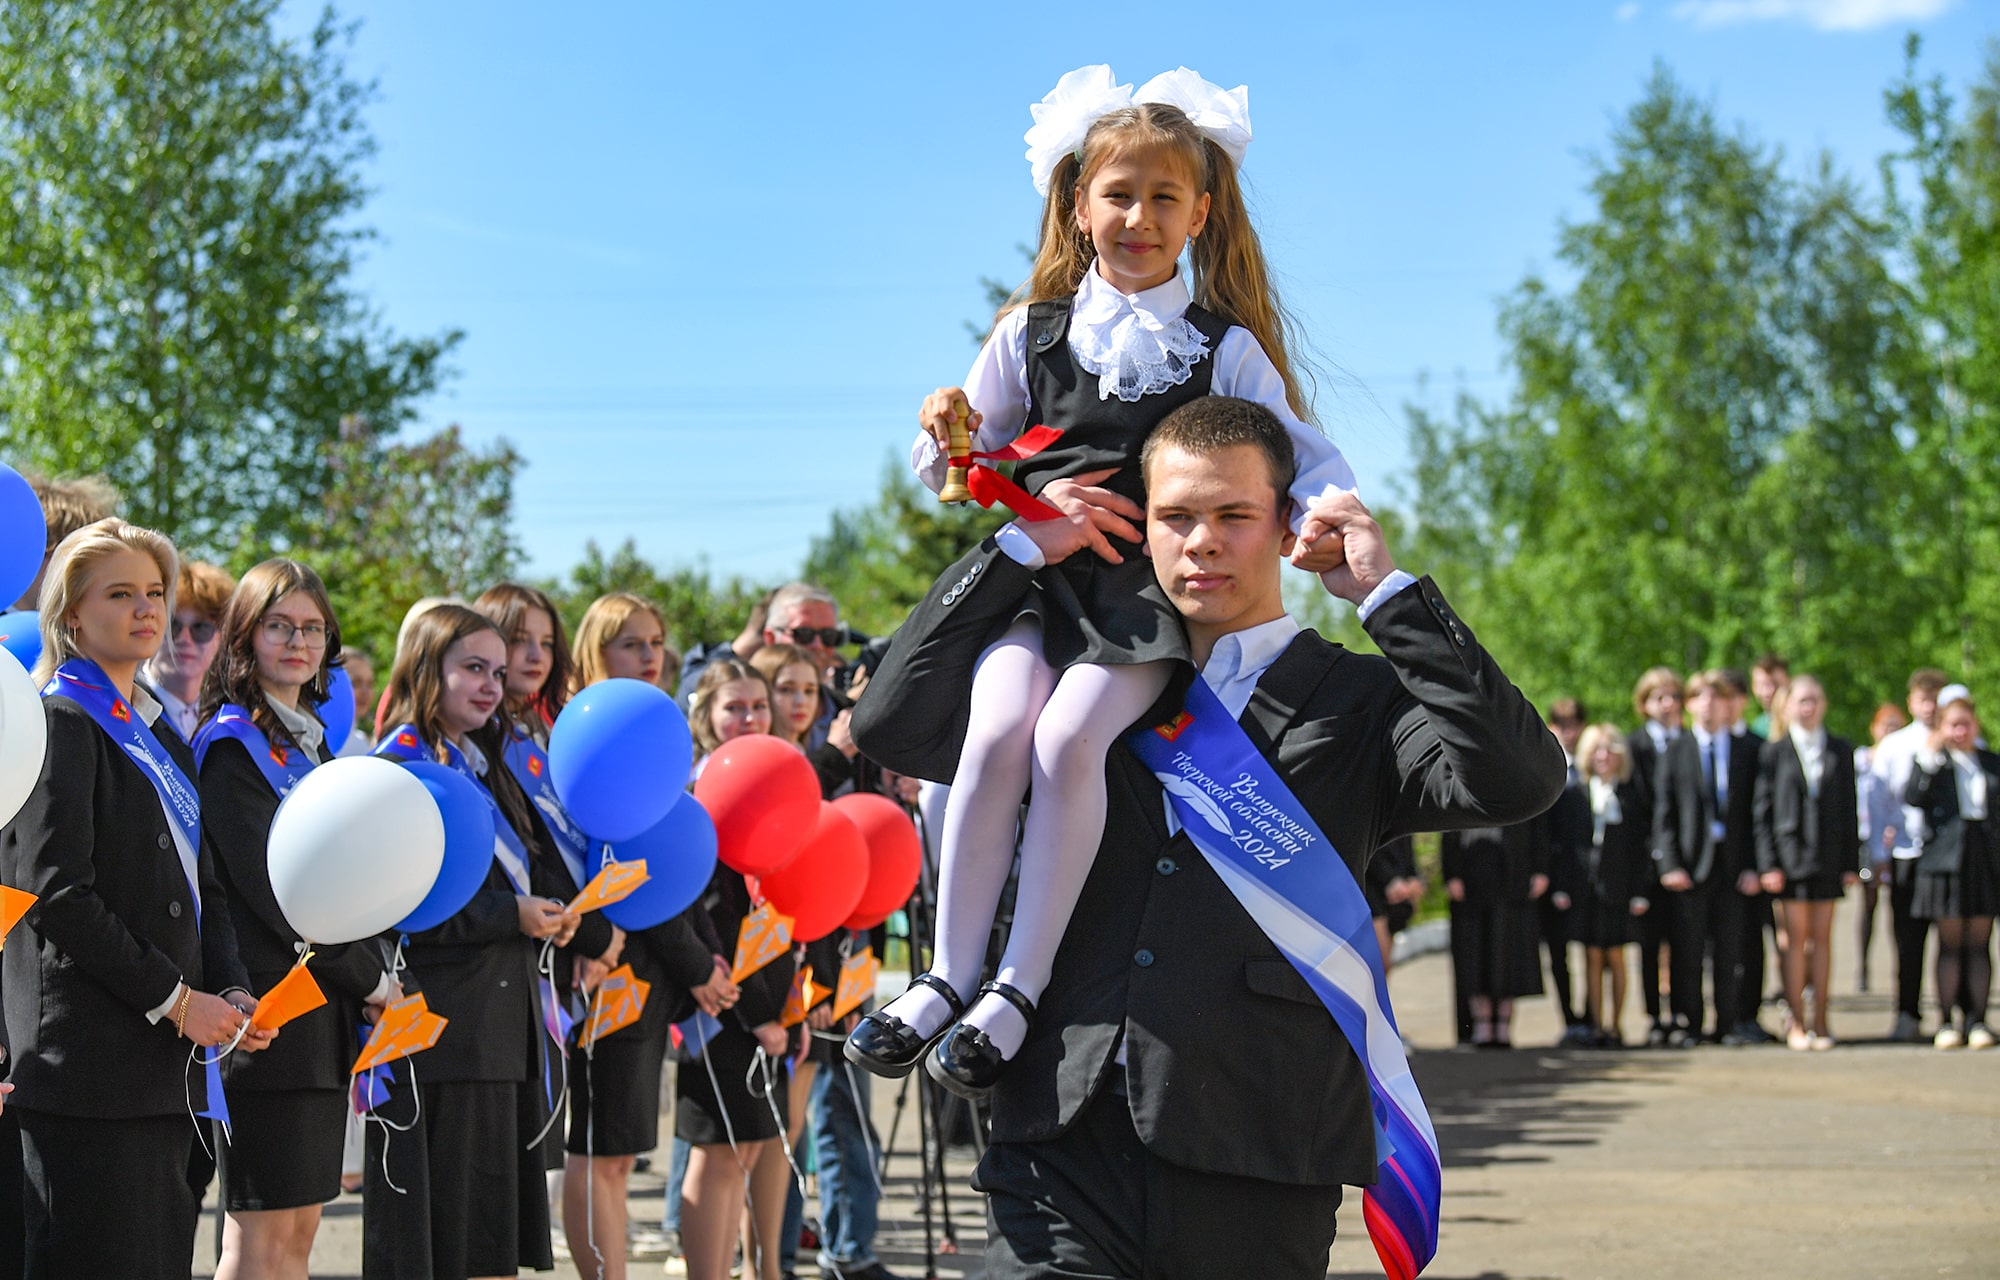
(259, 738)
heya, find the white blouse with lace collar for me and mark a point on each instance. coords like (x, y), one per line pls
(1136, 344)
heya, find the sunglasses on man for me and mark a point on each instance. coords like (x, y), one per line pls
(201, 630)
(831, 637)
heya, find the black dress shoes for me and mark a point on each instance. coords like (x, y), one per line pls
(965, 1061)
(887, 1046)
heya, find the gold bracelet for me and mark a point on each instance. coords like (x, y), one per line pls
(181, 1010)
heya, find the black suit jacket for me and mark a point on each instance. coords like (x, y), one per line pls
(316, 1049)
(1233, 1065)
(113, 933)
(1684, 809)
(1796, 834)
(1936, 793)
(1496, 864)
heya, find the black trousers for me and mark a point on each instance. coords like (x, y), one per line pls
(1649, 931)
(1555, 932)
(107, 1197)
(1912, 932)
(1707, 922)
(1094, 1203)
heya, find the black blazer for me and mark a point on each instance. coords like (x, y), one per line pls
(1936, 793)
(1495, 864)
(1684, 809)
(478, 970)
(113, 932)
(1233, 1065)
(1797, 835)
(716, 920)
(315, 1049)
(1618, 870)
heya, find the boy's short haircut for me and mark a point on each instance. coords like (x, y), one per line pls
(1711, 681)
(1928, 680)
(1210, 424)
(71, 502)
(1734, 682)
(204, 589)
(1567, 711)
(1770, 663)
(1652, 682)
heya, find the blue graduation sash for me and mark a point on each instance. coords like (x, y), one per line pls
(530, 766)
(84, 683)
(282, 767)
(1265, 846)
(406, 744)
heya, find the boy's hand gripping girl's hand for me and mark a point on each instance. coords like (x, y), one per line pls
(940, 407)
(1341, 542)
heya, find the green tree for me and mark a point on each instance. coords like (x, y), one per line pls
(1700, 458)
(1944, 202)
(176, 310)
(398, 521)
(698, 609)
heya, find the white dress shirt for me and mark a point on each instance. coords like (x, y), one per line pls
(1102, 320)
(1811, 746)
(1893, 760)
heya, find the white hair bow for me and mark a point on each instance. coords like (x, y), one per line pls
(1088, 94)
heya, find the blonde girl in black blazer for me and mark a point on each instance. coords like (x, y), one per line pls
(129, 957)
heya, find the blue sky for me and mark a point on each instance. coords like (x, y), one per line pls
(708, 258)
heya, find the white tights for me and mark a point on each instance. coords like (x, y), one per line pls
(1027, 722)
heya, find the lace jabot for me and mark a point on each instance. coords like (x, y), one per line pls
(1136, 344)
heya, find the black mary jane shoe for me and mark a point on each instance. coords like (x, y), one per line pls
(887, 1046)
(965, 1061)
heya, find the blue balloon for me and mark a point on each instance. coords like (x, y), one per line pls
(24, 535)
(680, 857)
(619, 755)
(21, 635)
(468, 845)
(338, 711)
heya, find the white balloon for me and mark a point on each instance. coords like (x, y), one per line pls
(354, 848)
(24, 735)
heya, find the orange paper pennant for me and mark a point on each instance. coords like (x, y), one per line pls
(296, 993)
(806, 996)
(408, 1026)
(620, 999)
(614, 882)
(857, 982)
(14, 904)
(764, 937)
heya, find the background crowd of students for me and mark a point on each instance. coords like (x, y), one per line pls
(1697, 835)
(462, 1148)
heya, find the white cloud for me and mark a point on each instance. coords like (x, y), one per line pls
(1825, 15)
(1628, 11)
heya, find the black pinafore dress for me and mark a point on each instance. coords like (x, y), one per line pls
(1091, 610)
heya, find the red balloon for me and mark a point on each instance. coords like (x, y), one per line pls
(895, 856)
(764, 797)
(818, 888)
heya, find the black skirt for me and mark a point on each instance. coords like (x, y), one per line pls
(1094, 611)
(699, 1116)
(1972, 890)
(1823, 886)
(614, 1092)
(107, 1197)
(472, 1199)
(285, 1149)
(1496, 950)
(1597, 921)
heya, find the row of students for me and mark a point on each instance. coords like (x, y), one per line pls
(148, 854)
(1720, 834)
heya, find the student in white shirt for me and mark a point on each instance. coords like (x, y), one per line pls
(1892, 762)
(1957, 784)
